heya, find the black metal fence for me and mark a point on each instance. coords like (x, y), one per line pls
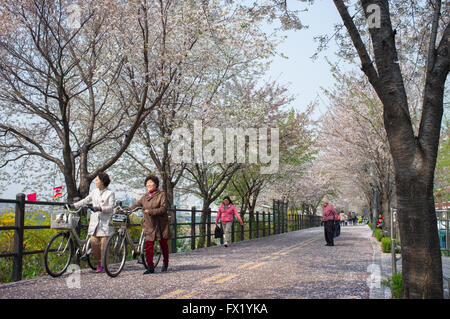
(256, 224)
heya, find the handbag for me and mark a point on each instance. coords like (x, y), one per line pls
(218, 232)
(336, 230)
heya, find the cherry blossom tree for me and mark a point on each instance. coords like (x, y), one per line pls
(79, 87)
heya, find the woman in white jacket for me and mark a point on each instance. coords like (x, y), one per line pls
(102, 200)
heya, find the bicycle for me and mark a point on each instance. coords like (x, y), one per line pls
(63, 246)
(115, 254)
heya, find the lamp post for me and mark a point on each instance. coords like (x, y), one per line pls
(375, 206)
(375, 201)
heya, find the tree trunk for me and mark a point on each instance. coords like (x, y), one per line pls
(203, 219)
(421, 257)
(168, 190)
(72, 191)
(414, 156)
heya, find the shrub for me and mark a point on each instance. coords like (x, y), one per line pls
(378, 234)
(386, 244)
(370, 225)
(395, 284)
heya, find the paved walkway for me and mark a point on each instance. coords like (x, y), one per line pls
(295, 265)
(292, 265)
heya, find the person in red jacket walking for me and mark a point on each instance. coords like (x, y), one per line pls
(226, 214)
(329, 216)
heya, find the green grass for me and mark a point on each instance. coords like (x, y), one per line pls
(395, 284)
(378, 234)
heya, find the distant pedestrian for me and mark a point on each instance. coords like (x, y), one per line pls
(380, 222)
(354, 218)
(337, 227)
(329, 217)
(343, 217)
(226, 214)
(349, 218)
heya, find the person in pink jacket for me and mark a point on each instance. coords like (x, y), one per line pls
(226, 214)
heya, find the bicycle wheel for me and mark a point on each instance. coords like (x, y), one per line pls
(90, 260)
(156, 254)
(115, 254)
(58, 254)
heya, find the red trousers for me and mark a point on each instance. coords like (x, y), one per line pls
(164, 244)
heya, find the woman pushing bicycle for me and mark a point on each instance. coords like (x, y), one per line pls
(102, 200)
(155, 222)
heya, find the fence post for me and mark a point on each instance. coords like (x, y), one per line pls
(264, 223)
(268, 217)
(250, 215)
(257, 224)
(208, 228)
(285, 218)
(280, 219)
(174, 238)
(288, 217)
(280, 214)
(193, 227)
(18, 237)
(274, 225)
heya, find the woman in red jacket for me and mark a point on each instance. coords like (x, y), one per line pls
(226, 214)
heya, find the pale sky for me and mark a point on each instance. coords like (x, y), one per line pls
(306, 77)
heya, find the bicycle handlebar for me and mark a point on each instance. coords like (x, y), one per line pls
(76, 211)
(124, 210)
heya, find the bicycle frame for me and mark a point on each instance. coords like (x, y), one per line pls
(123, 229)
(80, 244)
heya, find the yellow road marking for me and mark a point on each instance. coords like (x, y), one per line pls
(189, 295)
(221, 281)
(280, 251)
(276, 257)
(299, 246)
(245, 265)
(258, 265)
(267, 257)
(213, 278)
(290, 248)
(171, 294)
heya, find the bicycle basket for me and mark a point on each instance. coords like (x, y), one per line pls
(64, 221)
(118, 220)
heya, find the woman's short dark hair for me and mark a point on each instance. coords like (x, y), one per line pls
(229, 199)
(104, 178)
(154, 178)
